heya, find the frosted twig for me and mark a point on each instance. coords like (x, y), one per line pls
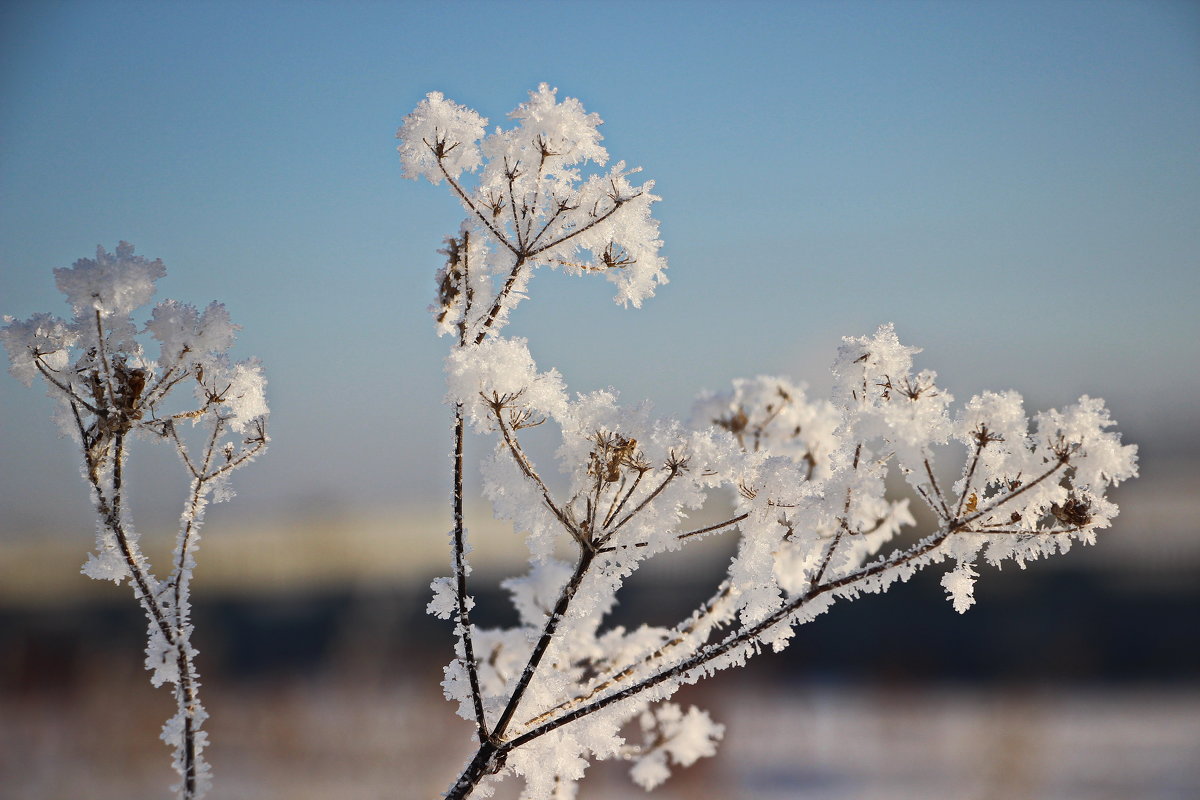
(808, 477)
(97, 356)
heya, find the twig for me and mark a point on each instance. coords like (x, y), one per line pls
(522, 461)
(539, 650)
(462, 604)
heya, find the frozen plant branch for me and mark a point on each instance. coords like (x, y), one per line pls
(807, 478)
(107, 389)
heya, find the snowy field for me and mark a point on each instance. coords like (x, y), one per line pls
(371, 738)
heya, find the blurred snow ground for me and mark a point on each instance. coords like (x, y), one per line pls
(335, 737)
(1076, 679)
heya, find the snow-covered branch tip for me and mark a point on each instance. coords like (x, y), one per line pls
(806, 478)
(539, 195)
(107, 388)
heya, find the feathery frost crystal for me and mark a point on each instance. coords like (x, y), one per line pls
(107, 389)
(805, 478)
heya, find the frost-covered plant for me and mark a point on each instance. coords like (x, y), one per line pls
(109, 389)
(807, 477)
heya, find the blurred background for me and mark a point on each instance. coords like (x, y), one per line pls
(1016, 185)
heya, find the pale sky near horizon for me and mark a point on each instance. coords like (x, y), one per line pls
(1015, 185)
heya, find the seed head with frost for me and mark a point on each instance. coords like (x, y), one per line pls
(109, 388)
(805, 480)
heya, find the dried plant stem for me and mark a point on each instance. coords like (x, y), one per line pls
(462, 599)
(97, 366)
(749, 635)
(673, 471)
(539, 649)
(492, 753)
(522, 461)
(704, 615)
(109, 507)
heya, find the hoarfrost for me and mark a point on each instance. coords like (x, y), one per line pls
(805, 480)
(670, 734)
(107, 390)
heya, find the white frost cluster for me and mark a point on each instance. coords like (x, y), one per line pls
(440, 139)
(95, 364)
(108, 388)
(115, 284)
(541, 198)
(807, 478)
(814, 521)
(671, 735)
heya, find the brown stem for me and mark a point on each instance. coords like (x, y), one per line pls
(483, 763)
(110, 512)
(733, 642)
(42, 368)
(512, 202)
(614, 676)
(537, 190)
(966, 490)
(965, 521)
(674, 471)
(460, 576)
(612, 514)
(112, 395)
(937, 491)
(500, 237)
(562, 206)
(688, 535)
(518, 454)
(543, 643)
(617, 203)
(498, 305)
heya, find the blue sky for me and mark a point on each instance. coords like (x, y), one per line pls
(1015, 185)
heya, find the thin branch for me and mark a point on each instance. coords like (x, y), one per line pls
(537, 189)
(613, 508)
(682, 632)
(187, 698)
(688, 535)
(744, 637)
(937, 490)
(169, 428)
(617, 203)
(462, 598)
(965, 521)
(543, 643)
(675, 469)
(462, 604)
(608, 518)
(500, 237)
(163, 387)
(62, 387)
(498, 305)
(837, 539)
(1020, 532)
(514, 448)
(112, 395)
(511, 174)
(186, 538)
(468, 292)
(259, 441)
(593, 503)
(562, 207)
(932, 505)
(186, 689)
(111, 514)
(167, 371)
(718, 526)
(966, 490)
